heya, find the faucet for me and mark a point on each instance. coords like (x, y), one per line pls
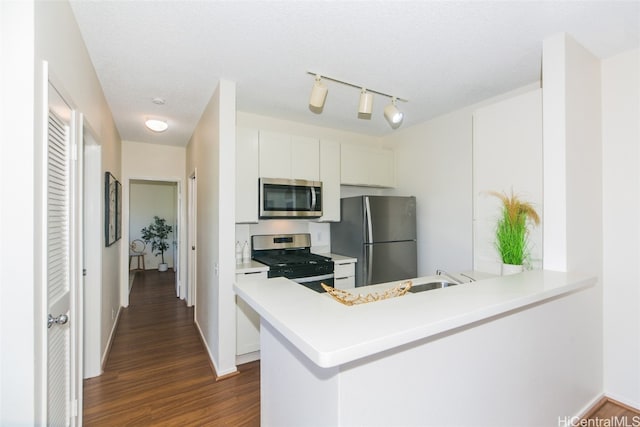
(444, 273)
(471, 279)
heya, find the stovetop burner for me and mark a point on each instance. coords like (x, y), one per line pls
(289, 255)
(281, 258)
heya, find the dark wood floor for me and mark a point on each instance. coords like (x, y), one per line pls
(158, 373)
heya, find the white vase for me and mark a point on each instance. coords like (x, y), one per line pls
(163, 267)
(511, 269)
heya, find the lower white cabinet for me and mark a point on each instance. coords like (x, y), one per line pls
(247, 320)
(344, 274)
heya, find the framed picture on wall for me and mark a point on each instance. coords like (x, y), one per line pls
(110, 208)
(118, 210)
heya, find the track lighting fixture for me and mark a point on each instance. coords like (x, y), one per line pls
(365, 108)
(366, 104)
(393, 115)
(318, 95)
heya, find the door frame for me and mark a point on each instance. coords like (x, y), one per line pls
(192, 233)
(92, 256)
(44, 78)
(126, 207)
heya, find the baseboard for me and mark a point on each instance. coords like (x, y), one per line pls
(241, 359)
(218, 376)
(112, 335)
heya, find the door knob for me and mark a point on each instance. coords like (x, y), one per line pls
(60, 320)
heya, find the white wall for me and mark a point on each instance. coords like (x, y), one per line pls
(146, 200)
(153, 162)
(572, 148)
(18, 403)
(507, 158)
(621, 216)
(434, 163)
(211, 150)
(32, 32)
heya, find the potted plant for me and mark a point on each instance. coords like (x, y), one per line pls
(512, 231)
(157, 233)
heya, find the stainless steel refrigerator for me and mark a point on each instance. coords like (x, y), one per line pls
(380, 231)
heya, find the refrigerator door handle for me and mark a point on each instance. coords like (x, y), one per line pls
(368, 238)
(368, 265)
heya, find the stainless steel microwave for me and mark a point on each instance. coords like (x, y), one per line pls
(290, 198)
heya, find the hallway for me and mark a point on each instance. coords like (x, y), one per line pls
(158, 373)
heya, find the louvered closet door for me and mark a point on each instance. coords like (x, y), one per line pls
(58, 261)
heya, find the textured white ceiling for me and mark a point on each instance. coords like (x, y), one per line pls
(440, 55)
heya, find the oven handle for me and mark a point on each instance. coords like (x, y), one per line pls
(313, 278)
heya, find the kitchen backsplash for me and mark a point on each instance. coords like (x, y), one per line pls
(320, 232)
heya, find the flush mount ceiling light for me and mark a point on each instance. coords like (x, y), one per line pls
(156, 125)
(365, 108)
(393, 115)
(318, 95)
(366, 104)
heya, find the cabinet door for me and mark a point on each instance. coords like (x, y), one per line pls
(275, 155)
(305, 158)
(247, 320)
(382, 168)
(353, 165)
(367, 166)
(345, 283)
(246, 175)
(330, 177)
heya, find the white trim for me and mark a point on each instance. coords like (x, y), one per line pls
(217, 373)
(124, 248)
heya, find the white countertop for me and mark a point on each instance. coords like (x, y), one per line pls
(339, 259)
(331, 334)
(251, 266)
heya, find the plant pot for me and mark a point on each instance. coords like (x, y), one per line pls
(163, 267)
(508, 269)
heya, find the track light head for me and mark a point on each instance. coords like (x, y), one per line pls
(393, 115)
(318, 95)
(366, 104)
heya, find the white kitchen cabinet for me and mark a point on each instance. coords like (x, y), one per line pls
(286, 156)
(246, 175)
(344, 273)
(330, 177)
(305, 158)
(247, 320)
(366, 166)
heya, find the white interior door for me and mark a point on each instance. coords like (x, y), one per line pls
(61, 261)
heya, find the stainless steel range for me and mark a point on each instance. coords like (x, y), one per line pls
(289, 255)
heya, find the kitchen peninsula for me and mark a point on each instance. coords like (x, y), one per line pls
(483, 353)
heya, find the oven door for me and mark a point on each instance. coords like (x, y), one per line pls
(290, 198)
(315, 281)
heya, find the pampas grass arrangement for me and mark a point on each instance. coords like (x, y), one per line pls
(511, 231)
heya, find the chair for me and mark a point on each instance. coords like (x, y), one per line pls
(136, 250)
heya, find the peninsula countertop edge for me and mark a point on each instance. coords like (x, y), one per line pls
(332, 334)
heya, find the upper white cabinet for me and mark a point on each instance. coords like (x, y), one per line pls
(330, 177)
(246, 175)
(286, 156)
(367, 166)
